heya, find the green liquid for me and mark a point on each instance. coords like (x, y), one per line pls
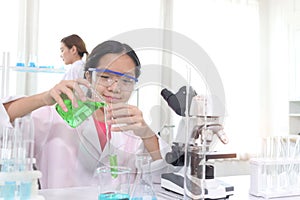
(75, 116)
(113, 196)
(113, 165)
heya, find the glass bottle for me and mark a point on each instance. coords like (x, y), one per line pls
(142, 188)
(76, 115)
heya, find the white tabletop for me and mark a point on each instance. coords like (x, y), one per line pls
(241, 189)
(240, 183)
(86, 193)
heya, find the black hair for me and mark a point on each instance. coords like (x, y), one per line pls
(115, 47)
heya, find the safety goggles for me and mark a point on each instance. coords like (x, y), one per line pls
(107, 78)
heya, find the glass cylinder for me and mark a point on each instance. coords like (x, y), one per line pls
(24, 143)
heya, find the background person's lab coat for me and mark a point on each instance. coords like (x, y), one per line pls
(75, 71)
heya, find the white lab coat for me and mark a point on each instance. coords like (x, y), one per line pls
(75, 70)
(68, 157)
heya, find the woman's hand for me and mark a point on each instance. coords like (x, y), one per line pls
(25, 105)
(68, 88)
(127, 117)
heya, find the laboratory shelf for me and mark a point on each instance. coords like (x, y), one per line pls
(38, 69)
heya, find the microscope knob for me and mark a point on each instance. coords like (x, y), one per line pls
(171, 157)
(175, 158)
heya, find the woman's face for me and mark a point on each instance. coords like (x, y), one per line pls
(66, 54)
(119, 89)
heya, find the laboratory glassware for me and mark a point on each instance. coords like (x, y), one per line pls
(114, 183)
(76, 115)
(86, 106)
(143, 188)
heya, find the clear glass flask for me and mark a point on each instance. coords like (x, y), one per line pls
(143, 188)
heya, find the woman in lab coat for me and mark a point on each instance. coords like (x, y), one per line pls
(72, 50)
(68, 157)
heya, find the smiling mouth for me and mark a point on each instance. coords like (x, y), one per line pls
(111, 99)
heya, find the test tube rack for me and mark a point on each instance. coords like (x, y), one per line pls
(273, 178)
(20, 185)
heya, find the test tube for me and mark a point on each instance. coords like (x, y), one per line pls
(113, 160)
(25, 141)
(8, 162)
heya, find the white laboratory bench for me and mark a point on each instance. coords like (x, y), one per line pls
(241, 191)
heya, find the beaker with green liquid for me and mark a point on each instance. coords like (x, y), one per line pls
(76, 115)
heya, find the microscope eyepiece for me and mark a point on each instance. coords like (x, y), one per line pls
(172, 101)
(165, 93)
(178, 101)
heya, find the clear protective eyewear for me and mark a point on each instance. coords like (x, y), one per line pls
(107, 78)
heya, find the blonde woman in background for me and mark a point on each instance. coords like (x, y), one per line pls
(72, 50)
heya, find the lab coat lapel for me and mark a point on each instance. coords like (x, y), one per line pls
(89, 137)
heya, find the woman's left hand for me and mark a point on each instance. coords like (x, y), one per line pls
(128, 117)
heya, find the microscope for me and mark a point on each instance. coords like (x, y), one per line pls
(194, 177)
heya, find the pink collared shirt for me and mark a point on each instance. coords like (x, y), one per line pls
(101, 130)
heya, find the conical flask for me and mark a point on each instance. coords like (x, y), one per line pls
(76, 115)
(142, 188)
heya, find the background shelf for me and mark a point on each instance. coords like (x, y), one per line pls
(38, 69)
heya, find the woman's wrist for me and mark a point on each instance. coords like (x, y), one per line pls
(149, 137)
(46, 99)
(151, 143)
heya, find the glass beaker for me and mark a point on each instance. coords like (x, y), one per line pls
(142, 188)
(76, 115)
(114, 183)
